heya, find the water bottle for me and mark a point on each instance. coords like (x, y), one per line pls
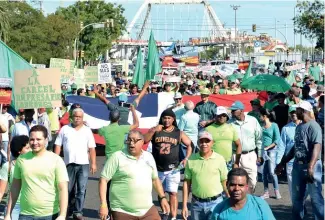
(179, 168)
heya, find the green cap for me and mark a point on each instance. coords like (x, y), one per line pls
(74, 86)
(255, 102)
(291, 109)
(205, 91)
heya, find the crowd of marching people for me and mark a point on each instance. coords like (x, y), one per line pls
(219, 150)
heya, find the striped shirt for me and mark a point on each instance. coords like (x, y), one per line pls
(205, 110)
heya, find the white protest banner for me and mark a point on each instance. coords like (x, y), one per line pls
(37, 88)
(66, 68)
(104, 73)
(91, 75)
(5, 82)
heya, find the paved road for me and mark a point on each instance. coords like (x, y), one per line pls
(281, 208)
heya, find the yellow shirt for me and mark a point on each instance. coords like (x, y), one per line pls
(235, 91)
(54, 118)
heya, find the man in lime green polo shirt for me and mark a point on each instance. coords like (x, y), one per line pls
(224, 136)
(132, 172)
(41, 178)
(201, 170)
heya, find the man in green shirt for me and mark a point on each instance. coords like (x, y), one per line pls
(201, 170)
(205, 109)
(132, 172)
(314, 71)
(224, 136)
(256, 106)
(41, 179)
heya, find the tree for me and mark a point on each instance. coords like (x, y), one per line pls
(210, 53)
(249, 50)
(27, 36)
(95, 41)
(4, 24)
(310, 20)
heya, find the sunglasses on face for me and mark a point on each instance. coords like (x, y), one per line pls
(129, 141)
(222, 115)
(178, 99)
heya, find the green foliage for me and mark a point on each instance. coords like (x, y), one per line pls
(4, 24)
(95, 41)
(249, 49)
(310, 20)
(210, 53)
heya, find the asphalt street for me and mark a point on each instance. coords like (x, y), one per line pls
(281, 208)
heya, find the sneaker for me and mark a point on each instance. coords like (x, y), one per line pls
(78, 216)
(277, 194)
(266, 195)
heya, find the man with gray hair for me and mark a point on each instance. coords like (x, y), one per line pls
(77, 139)
(189, 124)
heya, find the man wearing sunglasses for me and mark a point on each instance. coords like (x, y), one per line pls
(224, 135)
(178, 107)
(202, 169)
(132, 173)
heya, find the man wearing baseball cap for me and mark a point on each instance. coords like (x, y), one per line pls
(202, 169)
(224, 135)
(307, 166)
(250, 134)
(256, 106)
(205, 108)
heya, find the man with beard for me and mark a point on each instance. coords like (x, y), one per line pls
(241, 205)
(166, 139)
(307, 166)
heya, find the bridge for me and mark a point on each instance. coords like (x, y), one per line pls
(212, 31)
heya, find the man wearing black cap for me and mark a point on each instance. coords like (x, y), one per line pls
(166, 139)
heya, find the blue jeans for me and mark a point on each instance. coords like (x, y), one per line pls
(300, 189)
(30, 217)
(268, 170)
(289, 168)
(78, 177)
(203, 210)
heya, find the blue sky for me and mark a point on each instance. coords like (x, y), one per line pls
(184, 21)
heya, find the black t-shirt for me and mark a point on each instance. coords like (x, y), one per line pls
(165, 149)
(282, 115)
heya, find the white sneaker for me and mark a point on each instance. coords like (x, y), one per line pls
(266, 195)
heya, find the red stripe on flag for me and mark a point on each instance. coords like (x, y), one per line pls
(219, 100)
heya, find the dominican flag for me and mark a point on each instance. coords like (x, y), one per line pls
(149, 110)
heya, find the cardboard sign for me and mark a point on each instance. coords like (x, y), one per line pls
(66, 68)
(5, 96)
(37, 88)
(78, 78)
(91, 75)
(104, 73)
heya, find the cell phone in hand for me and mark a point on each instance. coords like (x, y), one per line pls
(125, 104)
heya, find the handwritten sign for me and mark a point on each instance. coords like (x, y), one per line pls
(37, 88)
(66, 68)
(78, 78)
(104, 73)
(91, 75)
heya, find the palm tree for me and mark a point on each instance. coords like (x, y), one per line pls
(4, 23)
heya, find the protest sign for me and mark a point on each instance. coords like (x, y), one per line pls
(104, 73)
(37, 88)
(5, 96)
(78, 78)
(66, 68)
(91, 75)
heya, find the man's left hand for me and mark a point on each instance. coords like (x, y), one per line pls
(310, 175)
(165, 206)
(93, 168)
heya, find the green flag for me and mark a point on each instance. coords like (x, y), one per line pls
(138, 77)
(153, 63)
(248, 71)
(291, 78)
(11, 62)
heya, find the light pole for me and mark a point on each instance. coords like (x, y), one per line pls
(107, 23)
(235, 8)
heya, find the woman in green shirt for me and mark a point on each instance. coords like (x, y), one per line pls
(270, 139)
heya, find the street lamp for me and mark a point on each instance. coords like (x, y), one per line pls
(107, 23)
(235, 8)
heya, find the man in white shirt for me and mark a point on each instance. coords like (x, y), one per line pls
(77, 139)
(8, 120)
